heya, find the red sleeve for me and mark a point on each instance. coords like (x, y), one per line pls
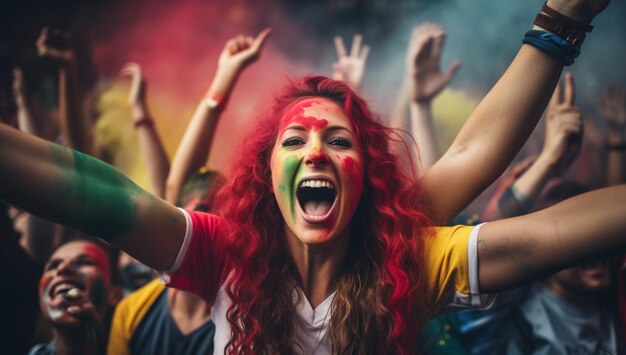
(201, 268)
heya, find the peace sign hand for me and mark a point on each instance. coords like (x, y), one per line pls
(350, 67)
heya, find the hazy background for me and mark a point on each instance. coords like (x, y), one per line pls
(177, 44)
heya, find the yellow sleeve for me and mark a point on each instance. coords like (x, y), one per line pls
(452, 268)
(128, 314)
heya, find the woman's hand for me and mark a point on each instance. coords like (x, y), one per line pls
(564, 128)
(350, 67)
(424, 62)
(137, 93)
(241, 51)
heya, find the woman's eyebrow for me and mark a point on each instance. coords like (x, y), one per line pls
(52, 262)
(339, 128)
(295, 127)
(327, 130)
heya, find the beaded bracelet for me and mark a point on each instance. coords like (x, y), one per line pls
(552, 45)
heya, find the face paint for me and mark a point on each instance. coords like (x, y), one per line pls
(286, 181)
(103, 209)
(75, 266)
(299, 114)
(317, 170)
(44, 298)
(354, 171)
(347, 164)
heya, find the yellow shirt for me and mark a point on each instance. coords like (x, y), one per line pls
(128, 313)
(452, 268)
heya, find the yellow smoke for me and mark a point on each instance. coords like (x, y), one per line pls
(451, 109)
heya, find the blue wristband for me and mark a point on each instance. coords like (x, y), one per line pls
(552, 45)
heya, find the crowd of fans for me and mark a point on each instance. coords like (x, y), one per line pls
(524, 294)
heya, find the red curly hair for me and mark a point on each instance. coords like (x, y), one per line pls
(380, 303)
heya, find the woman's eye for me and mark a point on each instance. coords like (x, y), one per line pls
(293, 141)
(342, 142)
(85, 262)
(51, 266)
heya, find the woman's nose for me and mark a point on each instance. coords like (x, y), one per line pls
(65, 267)
(316, 158)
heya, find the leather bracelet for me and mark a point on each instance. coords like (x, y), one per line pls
(571, 30)
(144, 121)
(568, 21)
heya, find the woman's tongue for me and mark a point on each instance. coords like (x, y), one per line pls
(317, 208)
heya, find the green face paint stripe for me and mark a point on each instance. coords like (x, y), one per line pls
(291, 165)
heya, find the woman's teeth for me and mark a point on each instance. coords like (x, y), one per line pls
(317, 183)
(68, 291)
(73, 293)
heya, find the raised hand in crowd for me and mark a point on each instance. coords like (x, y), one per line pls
(562, 143)
(564, 127)
(238, 53)
(195, 146)
(54, 45)
(350, 67)
(24, 115)
(424, 62)
(154, 154)
(426, 81)
(138, 90)
(74, 122)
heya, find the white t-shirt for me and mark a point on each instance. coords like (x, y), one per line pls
(452, 279)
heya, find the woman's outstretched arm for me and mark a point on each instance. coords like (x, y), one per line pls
(500, 124)
(514, 251)
(74, 189)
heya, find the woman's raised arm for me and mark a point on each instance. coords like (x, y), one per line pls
(501, 123)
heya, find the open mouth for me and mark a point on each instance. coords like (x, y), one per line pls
(316, 198)
(67, 289)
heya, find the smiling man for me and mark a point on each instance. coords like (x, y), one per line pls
(75, 296)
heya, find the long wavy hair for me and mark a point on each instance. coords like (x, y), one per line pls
(380, 302)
